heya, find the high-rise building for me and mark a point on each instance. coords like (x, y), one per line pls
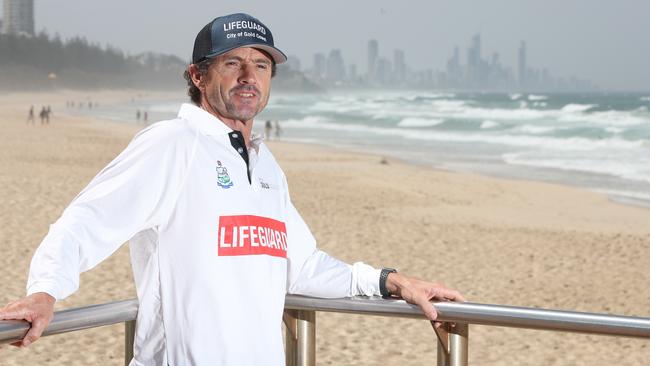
(335, 66)
(319, 66)
(384, 71)
(474, 53)
(18, 17)
(454, 70)
(373, 55)
(399, 63)
(475, 67)
(522, 65)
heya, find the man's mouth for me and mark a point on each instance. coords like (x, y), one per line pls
(246, 95)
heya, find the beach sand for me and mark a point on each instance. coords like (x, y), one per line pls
(498, 241)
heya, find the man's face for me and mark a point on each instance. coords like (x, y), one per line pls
(238, 83)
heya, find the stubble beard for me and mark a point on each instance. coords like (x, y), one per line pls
(244, 113)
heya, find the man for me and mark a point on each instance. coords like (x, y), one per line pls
(215, 241)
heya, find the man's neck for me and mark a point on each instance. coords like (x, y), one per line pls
(244, 127)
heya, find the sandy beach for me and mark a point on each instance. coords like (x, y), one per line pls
(498, 241)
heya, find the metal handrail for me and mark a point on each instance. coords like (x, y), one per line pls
(73, 319)
(484, 314)
(467, 313)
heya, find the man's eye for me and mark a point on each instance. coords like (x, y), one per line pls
(232, 63)
(262, 66)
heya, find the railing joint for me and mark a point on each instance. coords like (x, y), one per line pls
(442, 334)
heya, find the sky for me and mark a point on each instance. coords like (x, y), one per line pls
(602, 41)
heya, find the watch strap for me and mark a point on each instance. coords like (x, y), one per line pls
(382, 282)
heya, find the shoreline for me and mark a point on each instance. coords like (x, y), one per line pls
(622, 200)
(616, 188)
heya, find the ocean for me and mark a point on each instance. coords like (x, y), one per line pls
(597, 141)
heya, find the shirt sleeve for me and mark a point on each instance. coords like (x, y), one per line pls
(313, 272)
(136, 191)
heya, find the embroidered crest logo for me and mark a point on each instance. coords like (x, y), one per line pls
(223, 179)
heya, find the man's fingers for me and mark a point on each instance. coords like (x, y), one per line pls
(35, 332)
(12, 314)
(428, 309)
(444, 293)
(454, 295)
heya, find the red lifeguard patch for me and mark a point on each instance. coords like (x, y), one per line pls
(251, 235)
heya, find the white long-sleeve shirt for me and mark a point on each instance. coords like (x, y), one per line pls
(213, 254)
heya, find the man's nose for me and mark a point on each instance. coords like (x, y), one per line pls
(247, 74)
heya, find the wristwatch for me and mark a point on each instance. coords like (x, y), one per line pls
(382, 281)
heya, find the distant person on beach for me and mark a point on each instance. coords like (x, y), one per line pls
(267, 129)
(137, 115)
(43, 115)
(145, 117)
(278, 131)
(48, 113)
(215, 241)
(30, 115)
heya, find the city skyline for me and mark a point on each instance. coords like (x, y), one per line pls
(604, 43)
(478, 72)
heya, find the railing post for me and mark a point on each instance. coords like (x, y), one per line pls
(129, 338)
(453, 351)
(300, 337)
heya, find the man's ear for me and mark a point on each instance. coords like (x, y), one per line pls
(196, 76)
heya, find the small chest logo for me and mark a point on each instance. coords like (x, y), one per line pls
(223, 179)
(264, 185)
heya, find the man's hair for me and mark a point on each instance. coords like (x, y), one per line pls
(203, 66)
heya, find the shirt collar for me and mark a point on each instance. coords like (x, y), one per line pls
(211, 125)
(256, 140)
(204, 121)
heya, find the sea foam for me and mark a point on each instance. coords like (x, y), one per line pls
(574, 107)
(488, 124)
(419, 122)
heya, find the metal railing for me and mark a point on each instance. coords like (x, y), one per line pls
(300, 320)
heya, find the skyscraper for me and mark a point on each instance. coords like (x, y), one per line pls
(474, 61)
(399, 63)
(319, 66)
(335, 66)
(18, 17)
(373, 54)
(522, 65)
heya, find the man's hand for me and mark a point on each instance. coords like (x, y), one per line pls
(419, 292)
(38, 309)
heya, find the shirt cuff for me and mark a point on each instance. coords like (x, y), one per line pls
(366, 279)
(49, 288)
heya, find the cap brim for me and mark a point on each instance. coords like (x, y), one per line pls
(277, 55)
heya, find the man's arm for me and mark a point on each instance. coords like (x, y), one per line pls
(135, 191)
(315, 273)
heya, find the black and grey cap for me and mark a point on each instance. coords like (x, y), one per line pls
(233, 31)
